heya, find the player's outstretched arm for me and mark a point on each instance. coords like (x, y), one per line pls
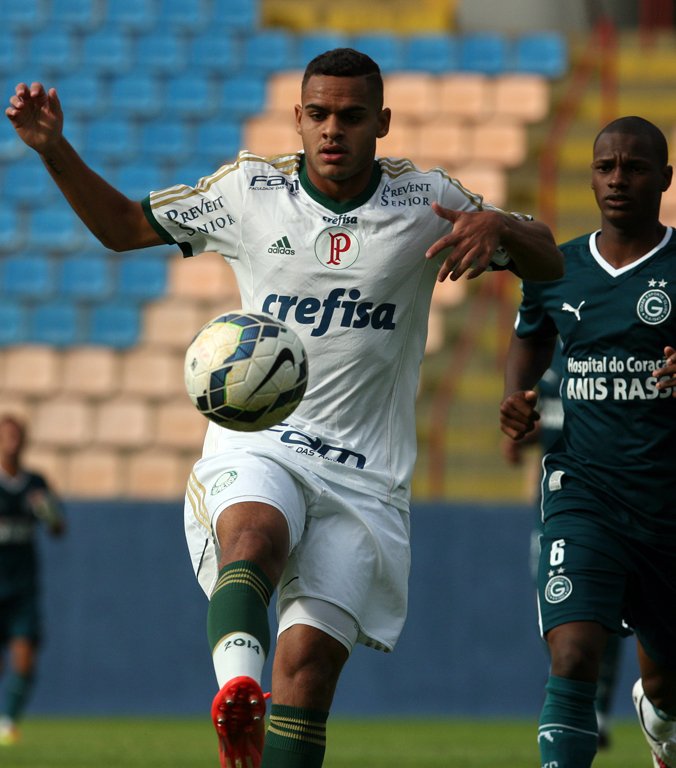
(118, 222)
(477, 235)
(527, 359)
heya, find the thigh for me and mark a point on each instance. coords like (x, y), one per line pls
(582, 574)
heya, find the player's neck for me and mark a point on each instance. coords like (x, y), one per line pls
(9, 466)
(620, 248)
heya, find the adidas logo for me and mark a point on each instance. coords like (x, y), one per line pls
(282, 246)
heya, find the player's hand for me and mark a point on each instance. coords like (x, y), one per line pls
(36, 115)
(474, 238)
(666, 375)
(518, 415)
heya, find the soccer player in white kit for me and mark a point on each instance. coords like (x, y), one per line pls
(346, 249)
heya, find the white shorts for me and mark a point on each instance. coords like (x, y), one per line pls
(347, 548)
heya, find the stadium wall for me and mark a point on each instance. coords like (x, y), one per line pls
(125, 620)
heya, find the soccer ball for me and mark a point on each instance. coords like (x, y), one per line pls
(246, 371)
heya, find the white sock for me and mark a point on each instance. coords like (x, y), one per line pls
(238, 654)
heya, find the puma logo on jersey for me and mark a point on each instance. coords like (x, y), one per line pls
(282, 246)
(566, 307)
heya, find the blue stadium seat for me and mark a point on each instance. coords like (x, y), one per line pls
(107, 51)
(244, 95)
(214, 53)
(81, 94)
(193, 169)
(270, 50)
(191, 97)
(142, 275)
(82, 15)
(57, 323)
(85, 276)
(386, 50)
(135, 95)
(241, 15)
(485, 52)
(53, 50)
(138, 179)
(12, 323)
(134, 16)
(186, 15)
(218, 140)
(12, 228)
(23, 15)
(160, 53)
(27, 183)
(12, 51)
(54, 229)
(27, 276)
(431, 53)
(166, 139)
(114, 324)
(11, 146)
(110, 139)
(543, 53)
(312, 44)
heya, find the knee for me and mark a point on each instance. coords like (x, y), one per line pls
(661, 692)
(576, 654)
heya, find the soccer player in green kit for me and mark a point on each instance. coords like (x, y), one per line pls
(608, 558)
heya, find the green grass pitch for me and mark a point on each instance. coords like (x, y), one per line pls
(364, 743)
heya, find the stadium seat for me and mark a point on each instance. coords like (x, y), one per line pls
(11, 146)
(135, 95)
(107, 51)
(485, 179)
(431, 53)
(85, 277)
(12, 52)
(179, 425)
(114, 324)
(151, 373)
(90, 372)
(271, 134)
(217, 141)
(49, 462)
(465, 95)
(283, 91)
(242, 15)
(386, 50)
(12, 227)
(312, 44)
(137, 180)
(401, 140)
(31, 370)
(53, 51)
(270, 50)
(542, 53)
(522, 96)
(141, 275)
(165, 140)
(65, 422)
(412, 95)
(157, 474)
(123, 422)
(185, 16)
(244, 95)
(80, 15)
(443, 142)
(27, 276)
(190, 171)
(81, 94)
(54, 228)
(24, 15)
(171, 323)
(192, 98)
(214, 54)
(12, 322)
(135, 16)
(206, 277)
(485, 52)
(110, 139)
(57, 323)
(27, 183)
(160, 53)
(500, 141)
(93, 473)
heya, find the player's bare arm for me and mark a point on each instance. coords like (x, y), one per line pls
(118, 222)
(476, 235)
(667, 374)
(527, 360)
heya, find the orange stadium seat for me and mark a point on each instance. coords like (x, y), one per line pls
(154, 374)
(171, 323)
(62, 421)
(283, 91)
(464, 95)
(180, 426)
(157, 474)
(521, 96)
(123, 422)
(93, 473)
(90, 372)
(500, 141)
(412, 95)
(206, 276)
(443, 141)
(31, 371)
(271, 133)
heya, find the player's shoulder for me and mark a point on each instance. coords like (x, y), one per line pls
(288, 163)
(576, 244)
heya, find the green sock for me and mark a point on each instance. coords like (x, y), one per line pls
(567, 735)
(296, 738)
(19, 688)
(237, 620)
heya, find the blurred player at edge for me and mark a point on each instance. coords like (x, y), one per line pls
(25, 501)
(608, 555)
(546, 432)
(317, 507)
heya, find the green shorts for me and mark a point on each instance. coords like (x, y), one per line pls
(589, 571)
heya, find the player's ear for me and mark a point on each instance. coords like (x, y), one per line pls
(384, 122)
(298, 110)
(668, 174)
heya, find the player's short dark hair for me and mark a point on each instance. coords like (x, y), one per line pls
(346, 62)
(639, 126)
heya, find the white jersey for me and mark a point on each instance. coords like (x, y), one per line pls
(351, 279)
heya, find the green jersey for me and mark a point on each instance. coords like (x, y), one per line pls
(619, 430)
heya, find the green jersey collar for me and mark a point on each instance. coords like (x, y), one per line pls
(332, 205)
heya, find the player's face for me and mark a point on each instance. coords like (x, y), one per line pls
(339, 122)
(628, 179)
